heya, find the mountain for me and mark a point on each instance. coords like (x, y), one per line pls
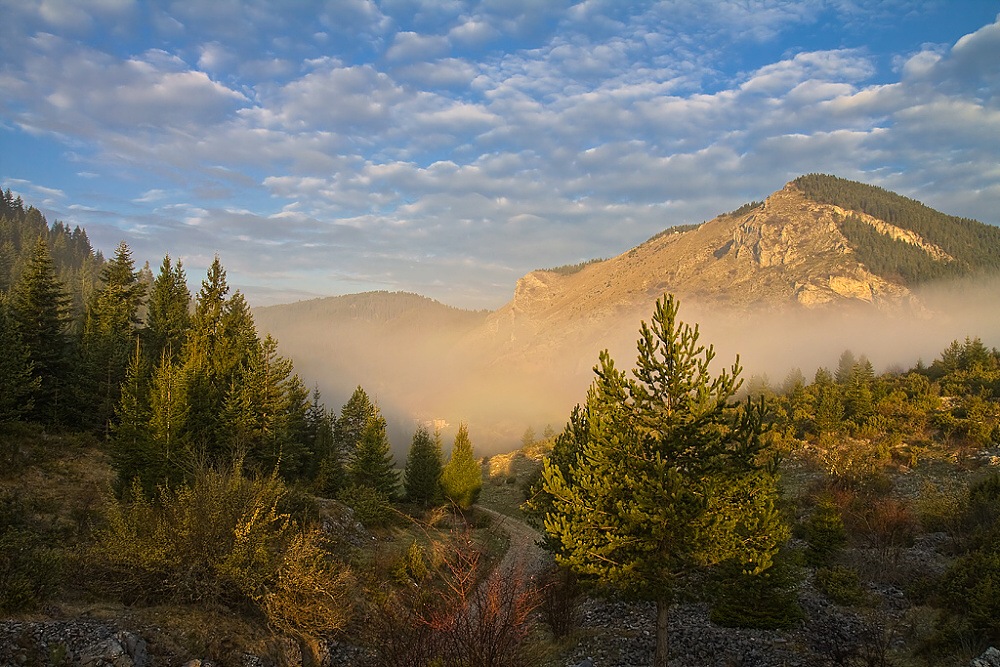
(819, 266)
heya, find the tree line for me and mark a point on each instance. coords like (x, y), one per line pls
(176, 381)
(974, 246)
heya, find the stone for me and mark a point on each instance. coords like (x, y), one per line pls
(989, 658)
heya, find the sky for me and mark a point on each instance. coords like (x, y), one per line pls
(447, 148)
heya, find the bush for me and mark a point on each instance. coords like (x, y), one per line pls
(824, 532)
(371, 507)
(768, 600)
(222, 540)
(311, 596)
(30, 569)
(841, 584)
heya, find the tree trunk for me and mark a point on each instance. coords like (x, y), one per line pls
(662, 633)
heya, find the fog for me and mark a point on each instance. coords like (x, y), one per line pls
(446, 368)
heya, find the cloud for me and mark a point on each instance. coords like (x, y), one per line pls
(410, 46)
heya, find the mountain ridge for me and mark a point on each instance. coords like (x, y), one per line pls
(786, 259)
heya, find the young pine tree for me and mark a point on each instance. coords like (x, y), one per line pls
(462, 478)
(668, 483)
(39, 308)
(372, 464)
(423, 468)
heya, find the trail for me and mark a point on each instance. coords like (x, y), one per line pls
(523, 552)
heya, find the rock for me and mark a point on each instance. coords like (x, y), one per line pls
(989, 658)
(122, 650)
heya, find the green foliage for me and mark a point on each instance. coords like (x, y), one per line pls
(40, 310)
(462, 478)
(746, 208)
(222, 539)
(371, 506)
(824, 532)
(18, 384)
(669, 481)
(168, 318)
(424, 468)
(218, 538)
(31, 568)
(354, 417)
(372, 464)
(841, 584)
(109, 338)
(974, 247)
(570, 269)
(767, 600)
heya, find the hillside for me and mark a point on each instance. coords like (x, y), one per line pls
(812, 262)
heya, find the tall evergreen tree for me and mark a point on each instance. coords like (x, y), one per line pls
(462, 478)
(133, 454)
(354, 416)
(167, 313)
(108, 337)
(326, 468)
(209, 364)
(423, 470)
(372, 464)
(17, 381)
(39, 307)
(667, 483)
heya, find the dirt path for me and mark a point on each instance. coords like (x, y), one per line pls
(524, 551)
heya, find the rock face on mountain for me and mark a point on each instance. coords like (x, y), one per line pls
(787, 251)
(761, 279)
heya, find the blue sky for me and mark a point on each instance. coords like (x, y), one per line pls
(447, 147)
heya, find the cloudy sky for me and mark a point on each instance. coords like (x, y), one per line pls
(447, 147)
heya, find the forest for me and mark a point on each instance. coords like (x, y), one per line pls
(163, 461)
(973, 246)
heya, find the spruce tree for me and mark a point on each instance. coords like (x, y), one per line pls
(354, 415)
(668, 483)
(423, 468)
(133, 452)
(17, 381)
(326, 468)
(167, 315)
(39, 307)
(108, 337)
(372, 464)
(462, 477)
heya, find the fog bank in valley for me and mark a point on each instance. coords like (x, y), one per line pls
(443, 366)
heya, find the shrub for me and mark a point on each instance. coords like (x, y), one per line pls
(30, 569)
(311, 596)
(222, 540)
(371, 507)
(840, 584)
(768, 600)
(561, 596)
(824, 532)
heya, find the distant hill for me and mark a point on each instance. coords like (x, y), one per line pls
(773, 280)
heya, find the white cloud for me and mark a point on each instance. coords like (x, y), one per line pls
(410, 46)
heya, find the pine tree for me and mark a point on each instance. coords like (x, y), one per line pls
(110, 327)
(424, 468)
(372, 464)
(39, 307)
(210, 363)
(462, 477)
(167, 315)
(133, 453)
(326, 469)
(17, 381)
(668, 483)
(354, 415)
